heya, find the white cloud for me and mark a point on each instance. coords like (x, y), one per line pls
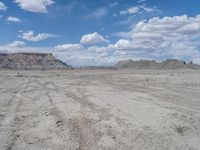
(167, 27)
(113, 4)
(13, 19)
(30, 36)
(97, 49)
(36, 6)
(168, 37)
(93, 38)
(3, 6)
(98, 13)
(16, 44)
(118, 52)
(131, 10)
(122, 44)
(141, 1)
(67, 47)
(139, 10)
(150, 9)
(114, 15)
(157, 38)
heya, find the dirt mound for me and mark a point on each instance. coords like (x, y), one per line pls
(28, 61)
(169, 64)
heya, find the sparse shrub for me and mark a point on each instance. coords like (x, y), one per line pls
(180, 130)
(20, 76)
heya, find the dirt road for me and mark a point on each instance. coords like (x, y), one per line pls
(100, 110)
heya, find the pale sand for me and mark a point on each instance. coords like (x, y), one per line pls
(100, 110)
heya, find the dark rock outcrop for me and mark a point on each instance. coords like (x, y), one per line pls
(169, 64)
(31, 61)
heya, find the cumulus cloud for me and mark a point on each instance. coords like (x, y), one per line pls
(172, 37)
(166, 28)
(3, 6)
(83, 57)
(157, 38)
(36, 6)
(77, 54)
(97, 49)
(93, 38)
(16, 44)
(13, 19)
(67, 47)
(30, 36)
(122, 44)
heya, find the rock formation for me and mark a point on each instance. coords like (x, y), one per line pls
(169, 64)
(29, 61)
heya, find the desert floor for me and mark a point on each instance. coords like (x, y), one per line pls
(100, 110)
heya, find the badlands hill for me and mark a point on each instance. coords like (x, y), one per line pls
(28, 61)
(169, 64)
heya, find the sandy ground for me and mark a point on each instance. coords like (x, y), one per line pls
(100, 110)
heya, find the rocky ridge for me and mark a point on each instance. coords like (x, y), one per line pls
(170, 64)
(31, 61)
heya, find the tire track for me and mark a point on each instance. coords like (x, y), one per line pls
(83, 130)
(11, 121)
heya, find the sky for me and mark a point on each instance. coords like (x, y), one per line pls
(102, 32)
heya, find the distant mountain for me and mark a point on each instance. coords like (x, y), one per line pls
(29, 61)
(46, 61)
(169, 64)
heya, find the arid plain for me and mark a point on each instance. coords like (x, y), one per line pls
(100, 110)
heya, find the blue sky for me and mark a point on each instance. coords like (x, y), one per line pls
(102, 32)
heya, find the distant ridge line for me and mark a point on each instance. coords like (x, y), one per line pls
(169, 64)
(46, 61)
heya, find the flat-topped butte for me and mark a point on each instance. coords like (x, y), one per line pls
(31, 61)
